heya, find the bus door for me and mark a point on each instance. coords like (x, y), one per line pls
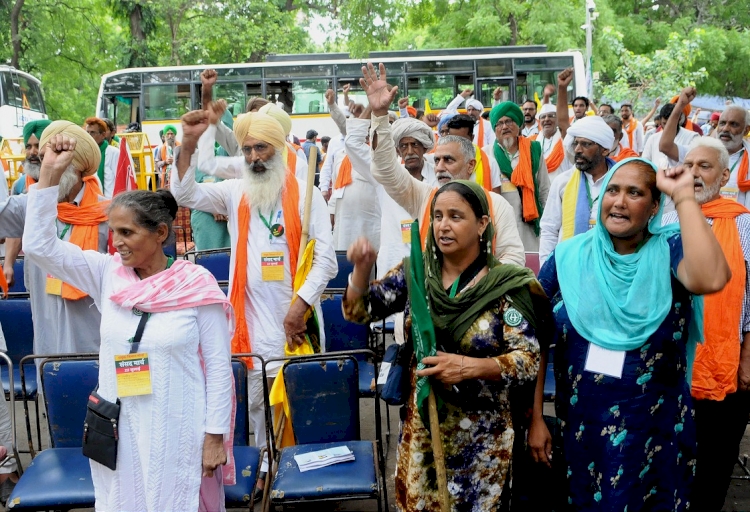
(487, 86)
(122, 109)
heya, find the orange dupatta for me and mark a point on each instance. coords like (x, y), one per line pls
(556, 156)
(28, 182)
(291, 158)
(742, 181)
(630, 130)
(344, 177)
(483, 173)
(84, 219)
(718, 357)
(424, 224)
(523, 178)
(624, 153)
(241, 342)
(480, 133)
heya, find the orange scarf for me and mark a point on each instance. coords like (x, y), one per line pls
(29, 181)
(556, 156)
(623, 154)
(485, 174)
(291, 159)
(344, 176)
(480, 133)
(718, 357)
(630, 130)
(533, 136)
(163, 150)
(742, 182)
(424, 224)
(523, 178)
(241, 342)
(84, 219)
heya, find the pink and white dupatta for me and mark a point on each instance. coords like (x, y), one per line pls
(183, 285)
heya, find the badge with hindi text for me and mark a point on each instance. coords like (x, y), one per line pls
(272, 266)
(133, 374)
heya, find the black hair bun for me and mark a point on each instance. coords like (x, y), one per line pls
(169, 201)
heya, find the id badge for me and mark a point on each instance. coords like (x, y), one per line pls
(605, 361)
(133, 374)
(338, 193)
(406, 231)
(592, 223)
(53, 286)
(272, 266)
(730, 193)
(507, 186)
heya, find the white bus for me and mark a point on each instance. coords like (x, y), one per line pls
(21, 101)
(156, 97)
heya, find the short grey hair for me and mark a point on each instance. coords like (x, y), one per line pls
(716, 145)
(465, 145)
(739, 109)
(611, 119)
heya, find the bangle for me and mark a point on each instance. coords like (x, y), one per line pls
(356, 289)
(683, 199)
(461, 370)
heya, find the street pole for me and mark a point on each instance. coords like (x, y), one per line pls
(590, 7)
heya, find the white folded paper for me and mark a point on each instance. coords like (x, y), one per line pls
(323, 458)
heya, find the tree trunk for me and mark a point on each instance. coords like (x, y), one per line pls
(15, 35)
(513, 30)
(138, 36)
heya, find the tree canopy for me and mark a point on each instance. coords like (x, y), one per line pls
(642, 48)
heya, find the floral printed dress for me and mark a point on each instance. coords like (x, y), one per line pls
(476, 426)
(630, 443)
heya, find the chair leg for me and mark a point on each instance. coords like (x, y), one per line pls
(38, 422)
(28, 425)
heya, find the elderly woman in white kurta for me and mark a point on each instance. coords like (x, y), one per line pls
(172, 430)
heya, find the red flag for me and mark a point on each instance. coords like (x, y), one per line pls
(125, 177)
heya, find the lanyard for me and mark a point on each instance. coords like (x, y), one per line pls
(742, 152)
(267, 223)
(588, 193)
(135, 341)
(64, 231)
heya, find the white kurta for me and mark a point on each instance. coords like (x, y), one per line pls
(638, 141)
(651, 150)
(548, 145)
(159, 460)
(61, 326)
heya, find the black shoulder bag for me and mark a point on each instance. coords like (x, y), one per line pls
(100, 436)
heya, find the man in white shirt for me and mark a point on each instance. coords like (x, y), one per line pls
(483, 134)
(590, 140)
(551, 140)
(336, 144)
(530, 126)
(684, 137)
(264, 212)
(454, 159)
(632, 129)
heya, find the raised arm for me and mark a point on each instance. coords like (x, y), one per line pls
(703, 268)
(65, 261)
(336, 113)
(563, 81)
(651, 112)
(356, 146)
(666, 143)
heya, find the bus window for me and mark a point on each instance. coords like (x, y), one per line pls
(528, 84)
(234, 94)
(357, 95)
(31, 95)
(125, 82)
(487, 88)
(439, 89)
(122, 110)
(299, 96)
(494, 68)
(165, 101)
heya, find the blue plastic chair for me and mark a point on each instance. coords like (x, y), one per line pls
(324, 406)
(19, 285)
(345, 267)
(246, 458)
(343, 335)
(216, 261)
(60, 477)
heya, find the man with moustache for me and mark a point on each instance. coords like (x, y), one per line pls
(530, 126)
(721, 370)
(574, 195)
(463, 125)
(552, 142)
(264, 211)
(618, 151)
(455, 158)
(483, 135)
(632, 129)
(523, 171)
(65, 319)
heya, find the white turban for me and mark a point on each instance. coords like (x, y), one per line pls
(593, 128)
(409, 127)
(475, 104)
(547, 108)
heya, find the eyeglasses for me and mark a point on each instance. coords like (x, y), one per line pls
(258, 148)
(507, 122)
(585, 144)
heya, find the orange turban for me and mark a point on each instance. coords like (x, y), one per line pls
(685, 110)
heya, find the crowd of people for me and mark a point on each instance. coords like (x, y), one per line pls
(641, 304)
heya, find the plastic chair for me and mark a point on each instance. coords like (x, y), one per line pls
(15, 317)
(19, 286)
(340, 282)
(215, 260)
(324, 407)
(60, 477)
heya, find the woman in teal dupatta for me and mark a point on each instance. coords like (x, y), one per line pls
(487, 318)
(627, 315)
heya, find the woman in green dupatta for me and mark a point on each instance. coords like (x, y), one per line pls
(487, 318)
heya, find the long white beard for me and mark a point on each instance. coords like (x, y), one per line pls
(32, 169)
(507, 142)
(707, 192)
(263, 189)
(68, 180)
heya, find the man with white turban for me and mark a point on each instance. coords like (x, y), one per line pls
(222, 167)
(483, 133)
(264, 207)
(455, 159)
(589, 140)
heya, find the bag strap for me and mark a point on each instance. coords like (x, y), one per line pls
(136, 340)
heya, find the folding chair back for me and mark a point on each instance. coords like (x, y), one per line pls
(324, 399)
(345, 267)
(66, 385)
(341, 334)
(19, 285)
(215, 261)
(15, 317)
(241, 430)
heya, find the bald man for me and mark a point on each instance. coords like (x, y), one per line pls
(264, 206)
(65, 320)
